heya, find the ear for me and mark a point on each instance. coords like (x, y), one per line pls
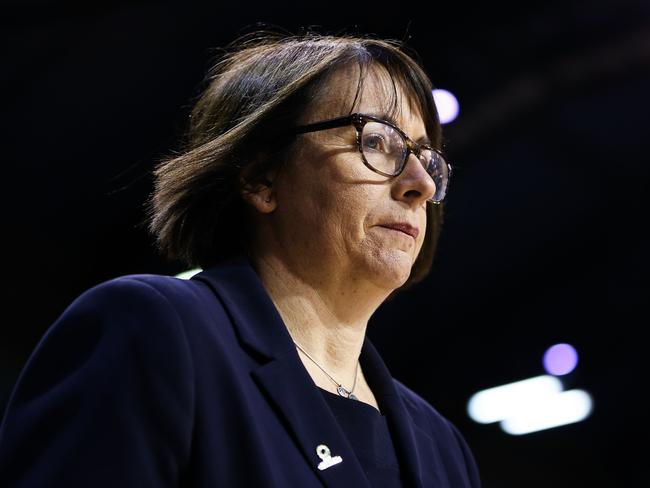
(259, 194)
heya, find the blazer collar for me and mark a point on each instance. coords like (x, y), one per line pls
(283, 377)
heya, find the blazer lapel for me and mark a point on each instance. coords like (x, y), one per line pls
(294, 394)
(282, 376)
(400, 422)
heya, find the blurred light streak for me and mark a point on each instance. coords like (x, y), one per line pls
(530, 405)
(501, 402)
(553, 411)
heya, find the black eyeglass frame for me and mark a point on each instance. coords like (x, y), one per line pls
(359, 121)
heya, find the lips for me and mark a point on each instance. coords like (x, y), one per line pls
(403, 227)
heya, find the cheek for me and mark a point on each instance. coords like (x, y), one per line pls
(338, 201)
(336, 213)
(348, 215)
(424, 224)
(423, 230)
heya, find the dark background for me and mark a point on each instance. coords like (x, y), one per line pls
(545, 236)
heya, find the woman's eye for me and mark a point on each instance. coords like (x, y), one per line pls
(376, 142)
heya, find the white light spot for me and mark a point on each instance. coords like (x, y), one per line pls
(186, 275)
(553, 411)
(447, 105)
(501, 402)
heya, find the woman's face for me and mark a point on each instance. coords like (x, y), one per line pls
(333, 214)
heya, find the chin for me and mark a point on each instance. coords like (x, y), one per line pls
(392, 269)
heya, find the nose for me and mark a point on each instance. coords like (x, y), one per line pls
(414, 185)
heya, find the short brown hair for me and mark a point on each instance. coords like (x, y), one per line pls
(261, 86)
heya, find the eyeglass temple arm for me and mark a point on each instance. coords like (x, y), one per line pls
(326, 124)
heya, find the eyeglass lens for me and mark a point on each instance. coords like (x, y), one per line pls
(385, 150)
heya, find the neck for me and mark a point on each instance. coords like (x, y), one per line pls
(325, 313)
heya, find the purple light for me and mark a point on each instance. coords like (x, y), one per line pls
(560, 359)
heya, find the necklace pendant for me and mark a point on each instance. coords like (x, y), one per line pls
(345, 393)
(342, 391)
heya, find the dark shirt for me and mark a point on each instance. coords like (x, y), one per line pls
(367, 430)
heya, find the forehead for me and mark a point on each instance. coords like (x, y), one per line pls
(379, 95)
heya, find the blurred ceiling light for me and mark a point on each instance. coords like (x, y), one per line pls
(530, 405)
(556, 410)
(560, 359)
(498, 403)
(447, 105)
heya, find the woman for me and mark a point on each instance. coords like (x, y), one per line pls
(309, 191)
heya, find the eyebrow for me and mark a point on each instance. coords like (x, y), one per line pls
(389, 118)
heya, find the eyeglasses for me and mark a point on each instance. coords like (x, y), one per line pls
(385, 149)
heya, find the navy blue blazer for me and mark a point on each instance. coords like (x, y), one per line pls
(154, 381)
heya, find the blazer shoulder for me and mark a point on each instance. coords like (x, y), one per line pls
(153, 285)
(150, 291)
(130, 308)
(149, 304)
(115, 366)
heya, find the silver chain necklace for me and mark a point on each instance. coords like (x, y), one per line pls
(339, 387)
